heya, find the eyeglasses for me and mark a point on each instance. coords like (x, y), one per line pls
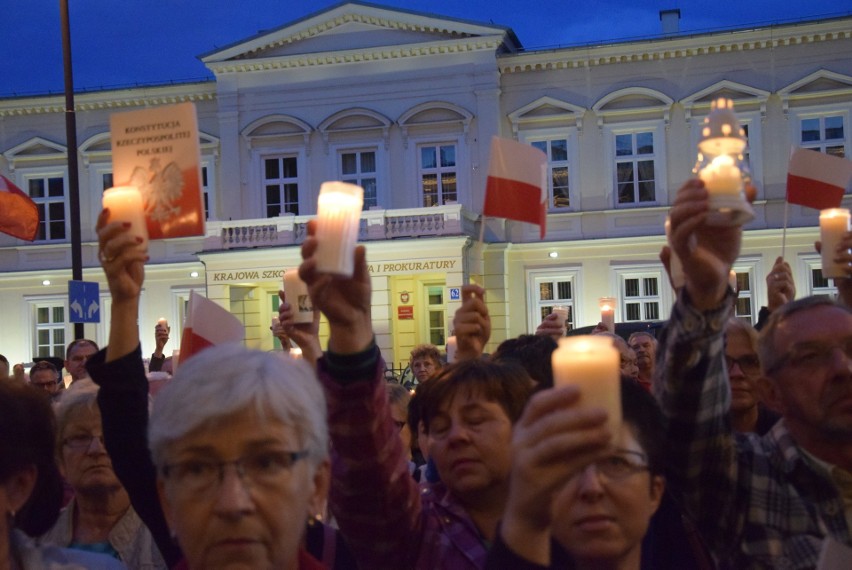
(82, 442)
(750, 363)
(621, 464)
(45, 385)
(261, 469)
(812, 355)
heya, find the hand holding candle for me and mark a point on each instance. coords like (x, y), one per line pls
(592, 364)
(125, 205)
(338, 220)
(834, 223)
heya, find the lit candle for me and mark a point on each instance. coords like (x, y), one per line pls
(592, 364)
(296, 293)
(175, 359)
(296, 352)
(451, 349)
(732, 280)
(561, 312)
(125, 205)
(833, 225)
(276, 324)
(163, 322)
(338, 219)
(722, 176)
(607, 305)
(675, 265)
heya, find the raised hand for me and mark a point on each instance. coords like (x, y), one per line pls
(471, 323)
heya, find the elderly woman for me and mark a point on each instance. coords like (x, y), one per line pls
(30, 485)
(99, 518)
(596, 515)
(238, 441)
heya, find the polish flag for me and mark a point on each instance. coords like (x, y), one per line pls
(207, 324)
(18, 213)
(817, 180)
(517, 183)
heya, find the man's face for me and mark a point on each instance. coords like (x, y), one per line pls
(45, 379)
(743, 371)
(470, 443)
(76, 363)
(812, 381)
(423, 368)
(645, 351)
(84, 460)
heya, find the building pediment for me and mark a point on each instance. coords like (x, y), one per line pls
(358, 32)
(36, 148)
(822, 86)
(546, 111)
(744, 97)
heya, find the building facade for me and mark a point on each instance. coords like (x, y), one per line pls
(405, 104)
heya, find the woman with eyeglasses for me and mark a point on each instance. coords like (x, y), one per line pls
(31, 486)
(99, 517)
(238, 441)
(748, 413)
(596, 516)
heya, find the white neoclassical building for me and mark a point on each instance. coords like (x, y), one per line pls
(405, 104)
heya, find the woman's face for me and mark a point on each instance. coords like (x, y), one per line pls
(600, 516)
(249, 514)
(85, 463)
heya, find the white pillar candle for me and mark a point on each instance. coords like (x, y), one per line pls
(561, 311)
(592, 364)
(296, 293)
(163, 322)
(451, 349)
(833, 225)
(675, 266)
(338, 219)
(175, 360)
(722, 176)
(275, 325)
(125, 205)
(732, 280)
(296, 352)
(607, 305)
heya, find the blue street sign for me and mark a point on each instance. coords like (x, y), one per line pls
(84, 302)
(455, 294)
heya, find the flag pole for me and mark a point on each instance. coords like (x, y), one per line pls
(784, 231)
(482, 230)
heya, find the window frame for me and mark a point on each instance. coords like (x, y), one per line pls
(45, 172)
(820, 113)
(34, 303)
(358, 177)
(657, 128)
(664, 291)
(569, 134)
(754, 267)
(299, 179)
(535, 276)
(807, 263)
(438, 171)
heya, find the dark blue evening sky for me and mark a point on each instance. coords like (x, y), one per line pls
(127, 42)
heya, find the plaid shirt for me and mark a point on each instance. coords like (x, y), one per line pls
(757, 500)
(388, 521)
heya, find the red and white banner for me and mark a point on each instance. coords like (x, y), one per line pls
(207, 324)
(517, 183)
(817, 180)
(18, 213)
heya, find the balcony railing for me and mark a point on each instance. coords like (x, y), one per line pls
(289, 229)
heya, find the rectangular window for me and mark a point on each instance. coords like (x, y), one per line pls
(557, 170)
(281, 185)
(106, 181)
(205, 189)
(437, 314)
(359, 167)
(49, 329)
(824, 134)
(640, 297)
(437, 174)
(634, 164)
(744, 308)
(554, 291)
(48, 193)
(634, 167)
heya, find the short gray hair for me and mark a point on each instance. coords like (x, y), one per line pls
(228, 379)
(82, 394)
(766, 351)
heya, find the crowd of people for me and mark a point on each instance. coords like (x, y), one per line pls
(735, 449)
